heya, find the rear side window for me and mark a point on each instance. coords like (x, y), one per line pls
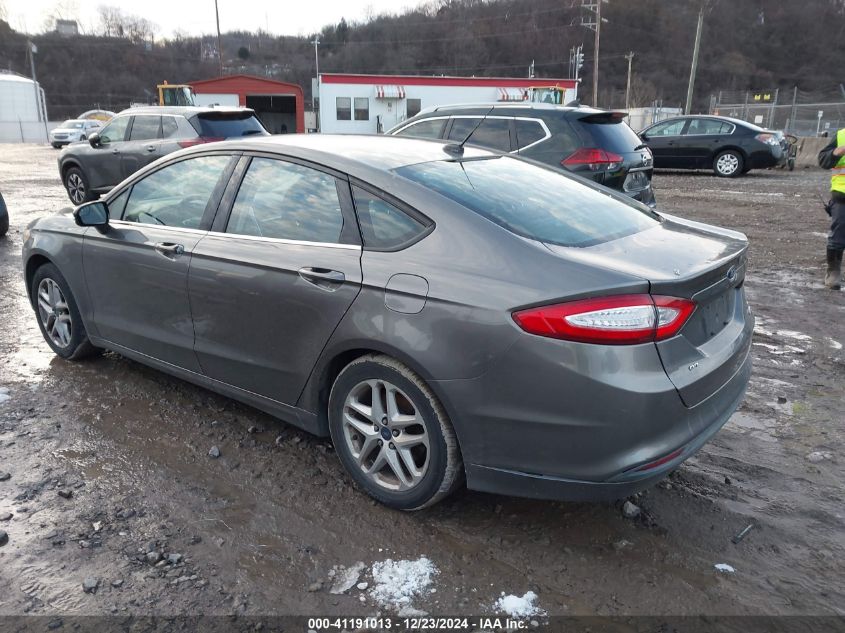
(607, 133)
(708, 126)
(493, 133)
(227, 124)
(528, 132)
(145, 128)
(169, 127)
(429, 128)
(284, 200)
(383, 226)
(531, 201)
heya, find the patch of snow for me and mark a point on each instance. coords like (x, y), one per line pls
(519, 607)
(397, 583)
(834, 344)
(798, 336)
(345, 577)
(779, 351)
(4, 395)
(819, 456)
(724, 567)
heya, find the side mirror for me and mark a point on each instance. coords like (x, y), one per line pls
(94, 139)
(92, 214)
(644, 136)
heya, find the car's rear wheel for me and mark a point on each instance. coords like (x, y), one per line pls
(728, 164)
(58, 315)
(56, 145)
(77, 186)
(392, 434)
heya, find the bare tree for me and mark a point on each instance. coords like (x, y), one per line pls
(115, 23)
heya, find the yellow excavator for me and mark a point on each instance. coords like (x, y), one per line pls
(175, 95)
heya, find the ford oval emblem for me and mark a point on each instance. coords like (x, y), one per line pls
(731, 274)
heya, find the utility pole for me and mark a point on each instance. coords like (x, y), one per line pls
(32, 49)
(219, 47)
(594, 6)
(694, 59)
(316, 98)
(629, 57)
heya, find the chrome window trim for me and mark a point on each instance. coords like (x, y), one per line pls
(279, 240)
(252, 238)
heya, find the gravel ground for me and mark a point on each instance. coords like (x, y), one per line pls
(113, 504)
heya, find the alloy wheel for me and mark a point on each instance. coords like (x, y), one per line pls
(76, 188)
(727, 164)
(386, 435)
(54, 313)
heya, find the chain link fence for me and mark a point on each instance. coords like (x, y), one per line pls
(794, 111)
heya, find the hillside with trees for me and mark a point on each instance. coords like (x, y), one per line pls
(753, 44)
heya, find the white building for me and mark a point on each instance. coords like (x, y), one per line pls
(22, 110)
(370, 104)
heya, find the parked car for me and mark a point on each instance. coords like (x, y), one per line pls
(730, 147)
(138, 136)
(72, 131)
(595, 144)
(440, 314)
(4, 217)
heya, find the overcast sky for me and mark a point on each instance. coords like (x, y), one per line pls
(282, 17)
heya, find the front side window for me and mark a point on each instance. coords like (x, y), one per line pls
(344, 108)
(382, 224)
(145, 128)
(115, 131)
(176, 195)
(362, 109)
(287, 201)
(413, 107)
(534, 202)
(428, 128)
(670, 128)
(493, 133)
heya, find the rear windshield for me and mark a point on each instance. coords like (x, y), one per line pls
(227, 124)
(531, 201)
(607, 133)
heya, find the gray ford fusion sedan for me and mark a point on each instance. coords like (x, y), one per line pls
(443, 313)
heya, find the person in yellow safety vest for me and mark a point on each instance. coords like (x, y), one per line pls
(833, 157)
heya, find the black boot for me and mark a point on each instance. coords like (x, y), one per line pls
(833, 277)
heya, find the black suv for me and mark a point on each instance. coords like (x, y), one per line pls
(138, 136)
(595, 144)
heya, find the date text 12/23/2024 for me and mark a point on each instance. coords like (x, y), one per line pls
(420, 624)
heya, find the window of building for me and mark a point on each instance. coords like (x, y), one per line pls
(344, 108)
(362, 109)
(414, 107)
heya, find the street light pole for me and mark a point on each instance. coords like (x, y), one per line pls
(694, 60)
(316, 98)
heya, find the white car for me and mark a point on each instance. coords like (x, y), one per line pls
(72, 131)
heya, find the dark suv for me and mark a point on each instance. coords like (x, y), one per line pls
(138, 136)
(595, 144)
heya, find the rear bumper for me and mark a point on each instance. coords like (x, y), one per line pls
(767, 157)
(586, 438)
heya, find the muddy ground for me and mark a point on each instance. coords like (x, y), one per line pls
(260, 529)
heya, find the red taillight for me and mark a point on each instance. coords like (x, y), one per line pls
(200, 140)
(615, 320)
(594, 159)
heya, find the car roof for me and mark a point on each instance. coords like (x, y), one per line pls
(716, 117)
(182, 110)
(516, 105)
(346, 152)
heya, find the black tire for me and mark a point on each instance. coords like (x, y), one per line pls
(83, 138)
(790, 164)
(4, 217)
(728, 164)
(76, 181)
(444, 471)
(78, 346)
(56, 145)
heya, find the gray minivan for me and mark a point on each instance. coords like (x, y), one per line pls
(138, 136)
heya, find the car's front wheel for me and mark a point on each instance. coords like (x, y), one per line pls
(58, 315)
(729, 164)
(77, 186)
(392, 434)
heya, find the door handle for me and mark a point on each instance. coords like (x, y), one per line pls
(322, 276)
(168, 249)
(151, 148)
(115, 151)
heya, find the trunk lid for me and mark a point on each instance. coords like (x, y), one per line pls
(687, 259)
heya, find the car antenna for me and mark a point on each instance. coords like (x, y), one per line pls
(457, 149)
